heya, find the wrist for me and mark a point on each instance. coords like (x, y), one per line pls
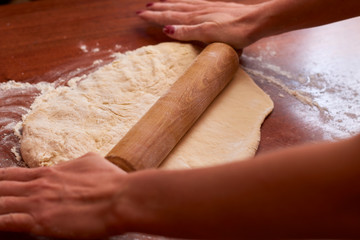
(132, 205)
(280, 16)
(267, 21)
(120, 206)
(261, 22)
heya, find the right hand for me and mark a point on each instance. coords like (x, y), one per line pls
(74, 199)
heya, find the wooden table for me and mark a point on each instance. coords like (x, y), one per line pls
(313, 76)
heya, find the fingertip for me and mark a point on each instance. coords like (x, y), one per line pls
(181, 32)
(169, 29)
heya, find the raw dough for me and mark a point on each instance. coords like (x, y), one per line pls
(93, 113)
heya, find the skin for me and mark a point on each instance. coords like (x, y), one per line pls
(309, 191)
(243, 23)
(43, 201)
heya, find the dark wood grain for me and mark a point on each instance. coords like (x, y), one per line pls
(42, 40)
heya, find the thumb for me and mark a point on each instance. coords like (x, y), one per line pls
(187, 32)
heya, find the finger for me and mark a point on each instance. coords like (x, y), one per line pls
(197, 32)
(17, 222)
(11, 188)
(180, 7)
(198, 5)
(87, 163)
(10, 205)
(203, 3)
(194, 2)
(207, 32)
(19, 174)
(168, 17)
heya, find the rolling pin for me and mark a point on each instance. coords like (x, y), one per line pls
(152, 138)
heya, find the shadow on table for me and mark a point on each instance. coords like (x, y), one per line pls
(21, 236)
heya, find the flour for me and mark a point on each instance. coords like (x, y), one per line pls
(15, 101)
(334, 107)
(84, 48)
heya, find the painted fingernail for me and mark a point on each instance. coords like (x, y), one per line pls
(169, 29)
(149, 4)
(138, 12)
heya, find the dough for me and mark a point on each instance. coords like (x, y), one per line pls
(229, 129)
(94, 112)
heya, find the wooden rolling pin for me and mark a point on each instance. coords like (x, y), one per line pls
(152, 138)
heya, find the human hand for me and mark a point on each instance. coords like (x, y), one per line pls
(206, 21)
(71, 200)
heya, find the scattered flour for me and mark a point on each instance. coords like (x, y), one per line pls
(335, 107)
(84, 48)
(97, 62)
(16, 99)
(300, 96)
(95, 50)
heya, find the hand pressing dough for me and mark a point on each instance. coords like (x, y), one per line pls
(95, 112)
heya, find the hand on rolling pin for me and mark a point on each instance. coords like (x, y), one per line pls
(242, 23)
(71, 200)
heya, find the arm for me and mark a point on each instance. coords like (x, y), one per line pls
(242, 24)
(305, 192)
(309, 191)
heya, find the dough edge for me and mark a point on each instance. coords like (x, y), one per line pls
(175, 159)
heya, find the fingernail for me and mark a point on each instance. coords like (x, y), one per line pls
(169, 29)
(138, 12)
(149, 4)
(162, 0)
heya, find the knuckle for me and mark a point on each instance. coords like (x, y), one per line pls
(191, 17)
(44, 184)
(46, 171)
(167, 14)
(2, 173)
(18, 222)
(205, 28)
(9, 219)
(25, 222)
(43, 217)
(207, 31)
(3, 202)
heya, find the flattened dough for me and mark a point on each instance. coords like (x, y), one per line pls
(95, 112)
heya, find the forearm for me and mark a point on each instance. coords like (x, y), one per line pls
(309, 191)
(279, 16)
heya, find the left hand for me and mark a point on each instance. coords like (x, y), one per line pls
(206, 21)
(71, 200)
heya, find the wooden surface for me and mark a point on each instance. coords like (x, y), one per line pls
(313, 76)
